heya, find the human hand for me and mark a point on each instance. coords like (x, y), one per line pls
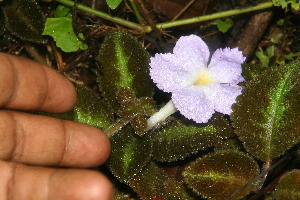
(28, 141)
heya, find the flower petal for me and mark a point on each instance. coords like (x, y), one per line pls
(167, 74)
(192, 52)
(192, 103)
(222, 96)
(225, 65)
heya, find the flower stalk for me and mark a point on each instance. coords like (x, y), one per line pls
(161, 115)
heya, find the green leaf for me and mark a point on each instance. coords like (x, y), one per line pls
(282, 3)
(62, 11)
(218, 175)
(119, 194)
(144, 105)
(61, 30)
(177, 141)
(267, 114)
(152, 183)
(25, 20)
(139, 124)
(224, 26)
(295, 4)
(288, 186)
(138, 111)
(113, 3)
(129, 154)
(91, 109)
(231, 144)
(251, 71)
(125, 66)
(263, 58)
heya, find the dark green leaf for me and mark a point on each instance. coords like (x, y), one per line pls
(125, 66)
(218, 175)
(145, 106)
(137, 110)
(61, 30)
(92, 109)
(113, 3)
(267, 114)
(152, 183)
(231, 144)
(123, 192)
(129, 154)
(288, 187)
(25, 20)
(177, 141)
(251, 71)
(139, 124)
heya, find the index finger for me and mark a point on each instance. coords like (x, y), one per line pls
(27, 85)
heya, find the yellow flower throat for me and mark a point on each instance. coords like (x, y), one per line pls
(203, 79)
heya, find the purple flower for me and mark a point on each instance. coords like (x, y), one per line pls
(199, 87)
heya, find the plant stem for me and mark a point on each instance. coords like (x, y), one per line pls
(117, 126)
(103, 15)
(145, 29)
(161, 115)
(136, 12)
(214, 16)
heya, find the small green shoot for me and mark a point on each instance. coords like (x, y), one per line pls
(113, 3)
(265, 58)
(224, 26)
(284, 4)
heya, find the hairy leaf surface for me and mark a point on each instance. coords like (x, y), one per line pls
(25, 20)
(129, 154)
(92, 109)
(152, 183)
(177, 141)
(267, 114)
(125, 66)
(138, 110)
(218, 175)
(288, 186)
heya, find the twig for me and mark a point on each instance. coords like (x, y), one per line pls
(252, 32)
(183, 10)
(36, 55)
(136, 12)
